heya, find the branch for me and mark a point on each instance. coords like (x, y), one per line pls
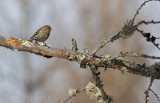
(84, 59)
(137, 12)
(147, 91)
(106, 41)
(103, 97)
(149, 38)
(134, 54)
(128, 29)
(73, 93)
(155, 95)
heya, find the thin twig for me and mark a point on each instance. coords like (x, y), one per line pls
(149, 39)
(147, 91)
(74, 45)
(101, 46)
(141, 8)
(104, 42)
(155, 95)
(67, 99)
(133, 54)
(78, 91)
(133, 27)
(147, 22)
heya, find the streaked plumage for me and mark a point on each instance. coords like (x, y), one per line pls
(41, 34)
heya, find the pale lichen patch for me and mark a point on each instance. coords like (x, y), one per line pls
(26, 43)
(73, 92)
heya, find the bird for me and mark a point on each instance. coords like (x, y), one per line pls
(41, 34)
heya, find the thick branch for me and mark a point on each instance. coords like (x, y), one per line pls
(84, 59)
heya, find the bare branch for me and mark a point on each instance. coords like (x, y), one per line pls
(149, 38)
(128, 29)
(104, 42)
(76, 92)
(155, 95)
(134, 54)
(147, 91)
(141, 8)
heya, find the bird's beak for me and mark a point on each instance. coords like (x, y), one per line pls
(51, 29)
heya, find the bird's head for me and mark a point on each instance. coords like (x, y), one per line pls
(47, 27)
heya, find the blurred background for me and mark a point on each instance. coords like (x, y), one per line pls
(29, 78)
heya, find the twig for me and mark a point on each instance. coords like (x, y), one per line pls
(147, 22)
(80, 57)
(147, 91)
(77, 92)
(147, 35)
(104, 42)
(67, 99)
(133, 54)
(74, 45)
(141, 8)
(155, 95)
(127, 30)
(101, 46)
(149, 38)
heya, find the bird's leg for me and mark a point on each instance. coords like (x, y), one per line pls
(45, 44)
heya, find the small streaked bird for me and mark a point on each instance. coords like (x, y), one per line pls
(41, 34)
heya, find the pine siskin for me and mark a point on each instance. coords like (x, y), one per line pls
(41, 34)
